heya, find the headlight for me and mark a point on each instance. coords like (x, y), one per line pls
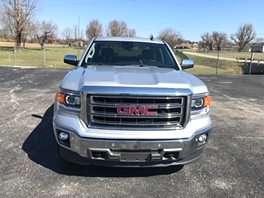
(200, 106)
(198, 103)
(72, 100)
(68, 99)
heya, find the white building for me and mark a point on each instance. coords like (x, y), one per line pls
(257, 47)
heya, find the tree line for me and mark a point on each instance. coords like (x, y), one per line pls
(217, 40)
(18, 21)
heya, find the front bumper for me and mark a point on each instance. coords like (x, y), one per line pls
(130, 153)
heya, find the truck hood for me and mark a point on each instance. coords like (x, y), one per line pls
(131, 76)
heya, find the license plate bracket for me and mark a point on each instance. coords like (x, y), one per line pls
(135, 157)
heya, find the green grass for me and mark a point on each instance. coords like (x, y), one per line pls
(35, 56)
(233, 55)
(204, 65)
(201, 69)
(238, 55)
(207, 65)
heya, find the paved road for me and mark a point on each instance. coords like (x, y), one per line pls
(221, 58)
(208, 56)
(232, 164)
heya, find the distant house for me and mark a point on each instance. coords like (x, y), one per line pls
(187, 45)
(79, 43)
(194, 45)
(257, 47)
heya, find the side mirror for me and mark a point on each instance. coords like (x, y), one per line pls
(187, 63)
(71, 60)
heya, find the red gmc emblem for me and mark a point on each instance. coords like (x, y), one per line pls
(133, 110)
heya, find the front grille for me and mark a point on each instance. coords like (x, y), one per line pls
(102, 111)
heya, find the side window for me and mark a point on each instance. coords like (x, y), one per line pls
(168, 61)
(159, 55)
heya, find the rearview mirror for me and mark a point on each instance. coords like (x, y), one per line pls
(71, 60)
(187, 63)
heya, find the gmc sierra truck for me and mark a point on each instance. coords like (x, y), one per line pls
(128, 102)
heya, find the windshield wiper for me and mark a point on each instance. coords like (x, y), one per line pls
(146, 65)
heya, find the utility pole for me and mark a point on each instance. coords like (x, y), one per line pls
(182, 52)
(217, 65)
(15, 51)
(78, 35)
(251, 59)
(44, 55)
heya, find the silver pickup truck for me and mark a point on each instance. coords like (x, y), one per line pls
(128, 102)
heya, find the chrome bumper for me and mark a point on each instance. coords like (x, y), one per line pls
(132, 153)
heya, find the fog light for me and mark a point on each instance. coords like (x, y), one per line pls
(202, 138)
(63, 136)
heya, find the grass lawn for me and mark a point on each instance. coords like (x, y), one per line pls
(233, 55)
(201, 69)
(33, 56)
(204, 65)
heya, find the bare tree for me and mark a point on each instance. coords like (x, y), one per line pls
(116, 28)
(207, 41)
(67, 34)
(259, 40)
(244, 35)
(14, 16)
(170, 36)
(5, 34)
(220, 40)
(94, 29)
(131, 32)
(29, 32)
(77, 33)
(47, 32)
(81, 34)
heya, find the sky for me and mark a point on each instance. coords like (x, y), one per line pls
(189, 17)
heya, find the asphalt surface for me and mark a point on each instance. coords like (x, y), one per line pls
(232, 164)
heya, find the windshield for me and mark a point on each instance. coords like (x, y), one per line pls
(129, 53)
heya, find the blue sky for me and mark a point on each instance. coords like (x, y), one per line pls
(189, 17)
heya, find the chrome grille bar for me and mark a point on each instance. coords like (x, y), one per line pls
(102, 111)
